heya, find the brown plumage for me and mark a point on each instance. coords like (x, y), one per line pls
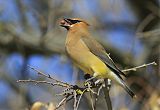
(88, 54)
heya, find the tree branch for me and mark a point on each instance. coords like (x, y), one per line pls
(137, 67)
(106, 90)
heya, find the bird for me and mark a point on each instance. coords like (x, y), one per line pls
(88, 54)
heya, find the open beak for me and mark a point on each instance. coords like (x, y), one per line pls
(65, 23)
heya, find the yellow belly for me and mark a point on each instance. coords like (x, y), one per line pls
(91, 64)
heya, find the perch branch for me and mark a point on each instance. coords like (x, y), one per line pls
(106, 90)
(137, 67)
(70, 92)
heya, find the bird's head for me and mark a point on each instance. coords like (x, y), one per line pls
(69, 23)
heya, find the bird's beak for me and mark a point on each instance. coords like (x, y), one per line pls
(66, 23)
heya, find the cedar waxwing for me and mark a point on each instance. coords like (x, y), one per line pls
(88, 54)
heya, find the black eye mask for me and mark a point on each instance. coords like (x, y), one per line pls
(70, 21)
(75, 21)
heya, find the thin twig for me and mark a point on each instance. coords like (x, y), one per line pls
(137, 67)
(75, 100)
(141, 28)
(47, 76)
(144, 23)
(44, 82)
(65, 91)
(80, 98)
(152, 33)
(96, 97)
(92, 103)
(99, 89)
(153, 8)
(61, 102)
(36, 82)
(65, 99)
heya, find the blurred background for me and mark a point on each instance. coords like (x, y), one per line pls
(30, 35)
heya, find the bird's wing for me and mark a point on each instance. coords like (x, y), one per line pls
(97, 49)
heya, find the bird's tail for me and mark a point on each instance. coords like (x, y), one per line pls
(129, 91)
(120, 81)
